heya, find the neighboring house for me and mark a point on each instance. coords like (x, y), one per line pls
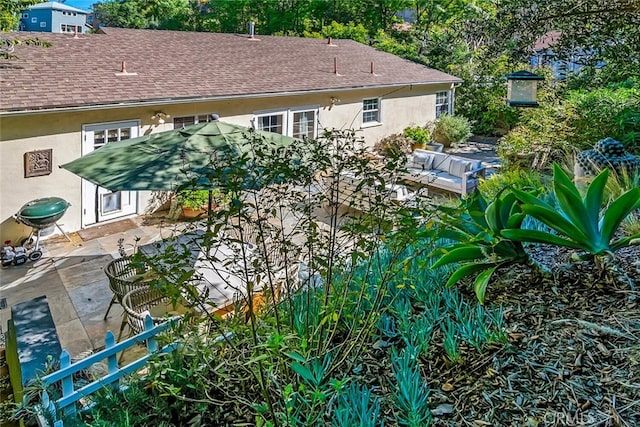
(54, 17)
(67, 100)
(544, 56)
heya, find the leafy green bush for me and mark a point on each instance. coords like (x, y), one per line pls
(605, 112)
(417, 134)
(572, 121)
(193, 199)
(517, 178)
(451, 129)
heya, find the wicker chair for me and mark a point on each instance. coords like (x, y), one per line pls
(138, 303)
(122, 279)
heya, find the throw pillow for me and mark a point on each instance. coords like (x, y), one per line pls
(423, 159)
(457, 167)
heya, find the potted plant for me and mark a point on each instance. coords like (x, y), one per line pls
(193, 202)
(419, 135)
(450, 130)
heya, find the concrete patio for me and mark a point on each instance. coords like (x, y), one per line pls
(71, 276)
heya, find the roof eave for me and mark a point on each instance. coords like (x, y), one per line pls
(187, 100)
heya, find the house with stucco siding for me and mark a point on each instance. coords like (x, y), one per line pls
(62, 102)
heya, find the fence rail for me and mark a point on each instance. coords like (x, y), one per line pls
(70, 396)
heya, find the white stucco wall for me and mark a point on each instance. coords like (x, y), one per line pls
(62, 132)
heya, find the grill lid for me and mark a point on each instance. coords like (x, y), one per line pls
(43, 208)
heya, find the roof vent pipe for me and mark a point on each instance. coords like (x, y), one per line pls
(252, 29)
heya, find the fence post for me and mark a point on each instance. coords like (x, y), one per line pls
(152, 343)
(67, 382)
(112, 361)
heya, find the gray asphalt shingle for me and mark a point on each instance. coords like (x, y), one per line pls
(176, 65)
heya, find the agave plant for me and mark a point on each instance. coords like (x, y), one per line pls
(480, 246)
(580, 222)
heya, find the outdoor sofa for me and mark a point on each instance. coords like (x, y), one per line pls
(441, 170)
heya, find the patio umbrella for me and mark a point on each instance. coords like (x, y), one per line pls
(186, 158)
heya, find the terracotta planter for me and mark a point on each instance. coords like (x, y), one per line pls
(190, 213)
(418, 146)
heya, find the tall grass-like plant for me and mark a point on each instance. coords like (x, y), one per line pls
(580, 222)
(357, 407)
(412, 392)
(491, 187)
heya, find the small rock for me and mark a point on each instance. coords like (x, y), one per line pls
(442, 409)
(447, 386)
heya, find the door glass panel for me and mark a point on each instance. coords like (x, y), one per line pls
(98, 139)
(112, 135)
(304, 124)
(111, 202)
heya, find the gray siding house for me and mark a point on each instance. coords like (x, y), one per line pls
(53, 17)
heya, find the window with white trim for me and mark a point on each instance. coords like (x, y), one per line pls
(34, 20)
(443, 103)
(295, 122)
(271, 123)
(67, 28)
(43, 24)
(25, 15)
(371, 111)
(180, 122)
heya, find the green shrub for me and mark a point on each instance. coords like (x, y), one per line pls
(451, 130)
(497, 119)
(518, 178)
(605, 113)
(393, 146)
(575, 120)
(194, 199)
(418, 134)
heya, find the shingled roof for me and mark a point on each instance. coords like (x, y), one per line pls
(176, 66)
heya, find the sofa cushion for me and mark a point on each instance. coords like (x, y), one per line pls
(422, 160)
(448, 182)
(458, 167)
(441, 163)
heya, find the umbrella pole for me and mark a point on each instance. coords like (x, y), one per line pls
(209, 219)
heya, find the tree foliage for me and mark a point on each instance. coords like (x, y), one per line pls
(10, 12)
(594, 33)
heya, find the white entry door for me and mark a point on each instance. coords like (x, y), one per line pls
(100, 204)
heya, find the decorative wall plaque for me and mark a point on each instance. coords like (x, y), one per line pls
(38, 163)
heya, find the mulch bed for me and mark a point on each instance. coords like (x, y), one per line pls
(573, 356)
